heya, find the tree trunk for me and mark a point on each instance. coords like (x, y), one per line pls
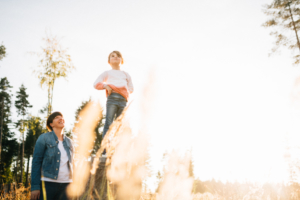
(1, 130)
(27, 170)
(50, 96)
(16, 172)
(294, 26)
(18, 161)
(49, 99)
(1, 125)
(22, 156)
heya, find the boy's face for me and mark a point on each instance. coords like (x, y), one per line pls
(114, 59)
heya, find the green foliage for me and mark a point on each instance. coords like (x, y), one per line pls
(35, 129)
(5, 92)
(22, 103)
(2, 51)
(7, 175)
(55, 63)
(285, 21)
(68, 133)
(9, 144)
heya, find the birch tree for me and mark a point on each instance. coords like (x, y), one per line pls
(55, 63)
(285, 24)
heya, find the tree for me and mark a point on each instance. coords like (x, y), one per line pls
(35, 129)
(55, 63)
(8, 143)
(98, 130)
(22, 105)
(2, 51)
(285, 20)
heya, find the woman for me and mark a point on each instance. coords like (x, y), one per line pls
(52, 161)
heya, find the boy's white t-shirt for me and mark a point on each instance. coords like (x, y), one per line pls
(117, 78)
(64, 171)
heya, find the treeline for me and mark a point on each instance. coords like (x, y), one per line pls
(212, 189)
(248, 190)
(16, 149)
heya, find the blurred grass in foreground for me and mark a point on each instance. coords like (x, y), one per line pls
(121, 175)
(211, 190)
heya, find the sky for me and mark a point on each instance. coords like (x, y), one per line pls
(216, 90)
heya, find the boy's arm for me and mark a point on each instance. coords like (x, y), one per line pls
(99, 83)
(37, 161)
(129, 83)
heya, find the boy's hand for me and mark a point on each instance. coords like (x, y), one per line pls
(109, 90)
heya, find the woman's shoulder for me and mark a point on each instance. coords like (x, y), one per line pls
(68, 139)
(45, 134)
(44, 137)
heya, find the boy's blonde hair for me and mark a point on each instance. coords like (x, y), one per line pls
(118, 54)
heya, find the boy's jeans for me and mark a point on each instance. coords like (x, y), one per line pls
(114, 106)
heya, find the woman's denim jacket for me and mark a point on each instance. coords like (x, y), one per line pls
(46, 158)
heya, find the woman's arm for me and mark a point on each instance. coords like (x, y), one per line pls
(38, 156)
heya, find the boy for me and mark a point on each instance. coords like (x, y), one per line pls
(118, 86)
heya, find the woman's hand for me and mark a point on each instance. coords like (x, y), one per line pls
(109, 90)
(35, 194)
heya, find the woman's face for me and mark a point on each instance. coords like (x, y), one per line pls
(58, 122)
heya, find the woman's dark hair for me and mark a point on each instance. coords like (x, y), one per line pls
(51, 118)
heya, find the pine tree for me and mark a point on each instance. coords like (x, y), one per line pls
(2, 51)
(22, 104)
(8, 143)
(285, 19)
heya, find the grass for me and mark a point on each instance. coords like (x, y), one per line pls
(17, 193)
(265, 192)
(120, 176)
